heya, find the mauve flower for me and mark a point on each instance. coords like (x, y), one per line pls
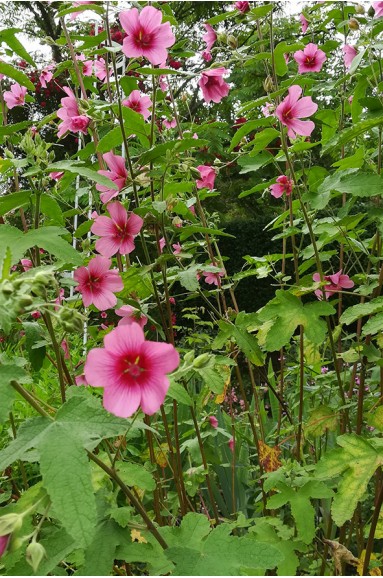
(131, 315)
(283, 185)
(324, 370)
(292, 109)
(46, 76)
(242, 7)
(213, 86)
(26, 264)
(349, 53)
(177, 248)
(172, 301)
(206, 55)
(310, 59)
(213, 421)
(56, 175)
(65, 348)
(100, 69)
(378, 7)
(36, 314)
(267, 109)
(169, 123)
(304, 23)
(207, 179)
(162, 244)
(334, 283)
(15, 96)
(146, 36)
(4, 541)
(117, 173)
(87, 65)
(139, 103)
(59, 299)
(116, 232)
(213, 278)
(97, 283)
(74, 15)
(209, 37)
(132, 371)
(231, 444)
(72, 120)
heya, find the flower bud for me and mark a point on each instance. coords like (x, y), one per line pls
(189, 357)
(268, 84)
(71, 320)
(359, 9)
(222, 38)
(353, 24)
(35, 552)
(232, 41)
(9, 523)
(7, 288)
(201, 360)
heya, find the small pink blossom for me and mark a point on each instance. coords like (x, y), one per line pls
(334, 283)
(213, 421)
(207, 179)
(74, 15)
(163, 84)
(36, 314)
(324, 370)
(293, 108)
(34, 130)
(87, 65)
(146, 36)
(139, 103)
(131, 315)
(283, 185)
(209, 37)
(46, 76)
(80, 379)
(172, 301)
(268, 109)
(231, 444)
(177, 248)
(169, 123)
(242, 7)
(103, 315)
(97, 283)
(350, 99)
(349, 53)
(117, 173)
(162, 244)
(56, 175)
(213, 86)
(59, 299)
(4, 541)
(26, 264)
(71, 118)
(100, 69)
(132, 371)
(15, 96)
(304, 23)
(116, 232)
(206, 56)
(378, 7)
(65, 348)
(310, 59)
(213, 278)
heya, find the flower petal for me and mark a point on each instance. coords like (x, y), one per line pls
(121, 399)
(125, 340)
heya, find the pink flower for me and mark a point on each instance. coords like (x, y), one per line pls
(209, 37)
(213, 86)
(304, 23)
(283, 185)
(291, 110)
(72, 120)
(213, 278)
(231, 444)
(103, 315)
(334, 283)
(139, 103)
(57, 175)
(59, 299)
(163, 84)
(132, 371)
(15, 96)
(100, 68)
(117, 232)
(177, 248)
(242, 7)
(162, 244)
(378, 7)
(4, 541)
(169, 123)
(117, 173)
(268, 109)
(349, 53)
(286, 57)
(206, 56)
(350, 99)
(36, 314)
(172, 301)
(74, 15)
(26, 264)
(46, 76)
(310, 59)
(213, 421)
(80, 379)
(65, 348)
(131, 315)
(97, 284)
(324, 370)
(146, 36)
(207, 179)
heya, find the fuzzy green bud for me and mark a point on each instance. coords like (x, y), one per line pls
(353, 24)
(359, 9)
(35, 552)
(71, 320)
(232, 41)
(10, 523)
(7, 288)
(189, 357)
(268, 84)
(201, 360)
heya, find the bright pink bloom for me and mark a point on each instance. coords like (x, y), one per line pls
(100, 68)
(65, 348)
(4, 541)
(378, 7)
(177, 248)
(117, 173)
(36, 314)
(87, 65)
(26, 264)
(132, 371)
(34, 130)
(206, 56)
(207, 179)
(268, 109)
(169, 123)
(283, 185)
(97, 283)
(146, 36)
(213, 278)
(162, 244)
(72, 120)
(103, 315)
(349, 53)
(334, 283)
(57, 175)
(209, 37)
(213, 86)
(213, 421)
(131, 315)
(291, 110)
(310, 59)
(46, 76)
(304, 23)
(117, 232)
(172, 301)
(231, 444)
(139, 103)
(15, 96)
(242, 7)
(163, 84)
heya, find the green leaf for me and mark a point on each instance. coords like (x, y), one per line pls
(12, 128)
(251, 163)
(17, 75)
(361, 310)
(9, 37)
(322, 418)
(355, 461)
(178, 392)
(135, 475)
(110, 140)
(134, 124)
(50, 207)
(349, 134)
(192, 531)
(33, 334)
(280, 50)
(245, 129)
(100, 554)
(8, 373)
(375, 419)
(85, 172)
(14, 201)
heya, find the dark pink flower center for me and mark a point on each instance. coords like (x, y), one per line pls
(135, 105)
(143, 39)
(287, 114)
(310, 59)
(131, 367)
